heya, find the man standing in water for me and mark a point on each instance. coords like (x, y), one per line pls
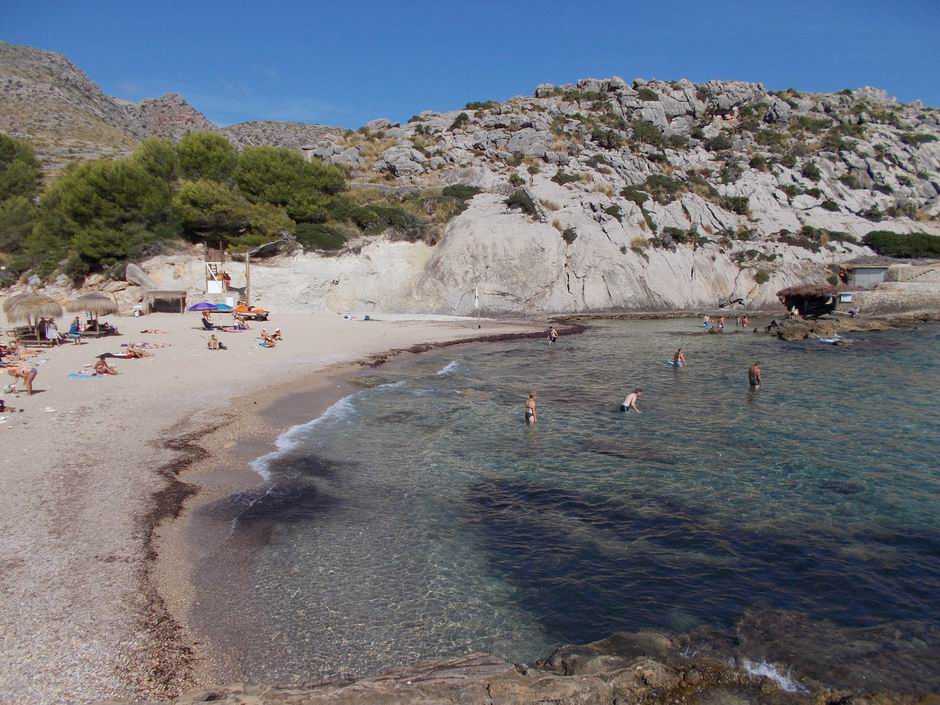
(530, 417)
(678, 360)
(552, 335)
(630, 401)
(753, 375)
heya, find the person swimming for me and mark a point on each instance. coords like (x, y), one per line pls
(552, 335)
(753, 375)
(678, 360)
(630, 401)
(530, 416)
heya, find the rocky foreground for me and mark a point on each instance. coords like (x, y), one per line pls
(646, 668)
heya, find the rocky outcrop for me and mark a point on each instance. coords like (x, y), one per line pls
(642, 195)
(643, 668)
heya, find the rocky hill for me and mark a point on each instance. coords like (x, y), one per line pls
(598, 195)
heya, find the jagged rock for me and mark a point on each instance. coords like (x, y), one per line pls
(378, 124)
(134, 274)
(403, 161)
(778, 111)
(529, 141)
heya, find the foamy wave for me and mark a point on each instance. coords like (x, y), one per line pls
(448, 368)
(287, 441)
(768, 670)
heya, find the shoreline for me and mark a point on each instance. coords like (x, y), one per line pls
(196, 478)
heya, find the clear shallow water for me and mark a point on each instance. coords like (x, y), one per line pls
(423, 518)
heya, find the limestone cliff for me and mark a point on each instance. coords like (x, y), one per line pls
(594, 196)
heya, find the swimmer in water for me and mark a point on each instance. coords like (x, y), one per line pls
(530, 416)
(630, 401)
(753, 375)
(552, 335)
(678, 360)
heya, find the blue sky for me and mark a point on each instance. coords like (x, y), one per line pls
(345, 62)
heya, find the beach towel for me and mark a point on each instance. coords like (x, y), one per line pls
(83, 375)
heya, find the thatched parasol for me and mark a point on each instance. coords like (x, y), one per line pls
(11, 300)
(95, 303)
(32, 307)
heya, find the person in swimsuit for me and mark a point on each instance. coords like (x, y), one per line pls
(706, 322)
(721, 324)
(530, 416)
(27, 374)
(744, 321)
(630, 401)
(678, 360)
(753, 375)
(103, 368)
(552, 335)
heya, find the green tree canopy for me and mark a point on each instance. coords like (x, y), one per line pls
(20, 174)
(102, 211)
(206, 155)
(213, 211)
(158, 158)
(282, 177)
(17, 216)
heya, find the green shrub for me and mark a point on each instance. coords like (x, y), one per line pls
(872, 214)
(719, 142)
(663, 188)
(758, 162)
(791, 190)
(461, 192)
(769, 138)
(460, 121)
(788, 160)
(814, 192)
(647, 94)
(730, 173)
(516, 180)
(597, 160)
(632, 193)
(608, 139)
(569, 235)
(532, 169)
(677, 141)
(850, 180)
(917, 138)
(516, 159)
(883, 188)
(897, 245)
(523, 201)
(811, 171)
(563, 178)
(647, 133)
(481, 105)
(680, 236)
(736, 204)
(830, 205)
(317, 236)
(614, 211)
(761, 277)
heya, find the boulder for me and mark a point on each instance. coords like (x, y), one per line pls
(402, 161)
(133, 274)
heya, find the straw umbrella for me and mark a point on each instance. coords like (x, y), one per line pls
(11, 300)
(32, 307)
(95, 303)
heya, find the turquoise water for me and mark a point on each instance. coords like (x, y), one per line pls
(422, 518)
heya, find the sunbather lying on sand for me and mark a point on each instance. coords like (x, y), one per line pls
(135, 353)
(266, 339)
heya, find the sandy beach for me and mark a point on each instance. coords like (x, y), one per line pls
(80, 619)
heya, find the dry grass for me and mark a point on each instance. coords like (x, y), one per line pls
(549, 205)
(558, 226)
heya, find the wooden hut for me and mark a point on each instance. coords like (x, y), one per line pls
(812, 300)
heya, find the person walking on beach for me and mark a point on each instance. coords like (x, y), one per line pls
(552, 335)
(630, 401)
(530, 416)
(678, 360)
(753, 375)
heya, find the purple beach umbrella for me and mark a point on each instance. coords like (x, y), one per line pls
(202, 306)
